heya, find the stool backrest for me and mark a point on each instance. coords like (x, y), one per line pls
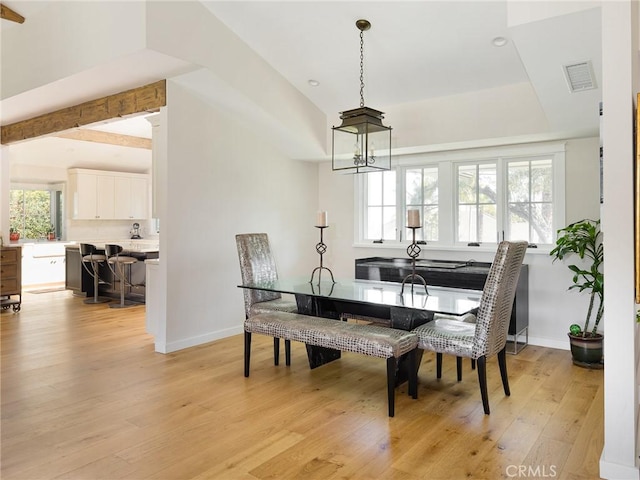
(112, 250)
(87, 249)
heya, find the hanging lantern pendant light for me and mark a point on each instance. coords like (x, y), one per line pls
(361, 143)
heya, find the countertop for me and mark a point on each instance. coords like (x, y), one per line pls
(142, 245)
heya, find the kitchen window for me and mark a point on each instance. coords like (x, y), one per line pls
(36, 210)
(466, 197)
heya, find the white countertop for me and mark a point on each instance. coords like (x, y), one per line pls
(141, 245)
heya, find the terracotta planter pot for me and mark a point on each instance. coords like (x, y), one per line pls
(51, 236)
(587, 351)
(14, 237)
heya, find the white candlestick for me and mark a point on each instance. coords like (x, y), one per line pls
(321, 220)
(413, 218)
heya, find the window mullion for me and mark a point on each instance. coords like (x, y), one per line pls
(502, 199)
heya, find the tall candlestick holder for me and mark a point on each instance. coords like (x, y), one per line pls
(413, 250)
(321, 248)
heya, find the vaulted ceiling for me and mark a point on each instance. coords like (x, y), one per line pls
(415, 50)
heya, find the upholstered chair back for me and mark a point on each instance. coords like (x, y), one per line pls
(256, 265)
(496, 303)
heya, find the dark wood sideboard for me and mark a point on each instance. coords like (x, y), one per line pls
(455, 274)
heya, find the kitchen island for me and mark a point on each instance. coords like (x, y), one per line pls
(79, 280)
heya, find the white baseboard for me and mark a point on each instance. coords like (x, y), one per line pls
(549, 343)
(615, 471)
(197, 340)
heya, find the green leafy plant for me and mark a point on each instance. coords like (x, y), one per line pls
(584, 239)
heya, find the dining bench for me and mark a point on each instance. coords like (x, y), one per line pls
(372, 340)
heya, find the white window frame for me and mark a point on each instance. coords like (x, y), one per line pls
(447, 188)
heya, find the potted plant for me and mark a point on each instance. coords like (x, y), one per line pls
(14, 235)
(584, 239)
(51, 233)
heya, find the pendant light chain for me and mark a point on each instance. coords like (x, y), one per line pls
(361, 68)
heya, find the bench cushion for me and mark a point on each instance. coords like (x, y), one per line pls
(276, 305)
(370, 340)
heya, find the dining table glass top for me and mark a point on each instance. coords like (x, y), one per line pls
(452, 301)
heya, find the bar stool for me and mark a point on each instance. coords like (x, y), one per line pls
(117, 264)
(90, 257)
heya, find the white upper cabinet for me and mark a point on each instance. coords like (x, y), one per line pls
(131, 198)
(101, 195)
(104, 196)
(139, 198)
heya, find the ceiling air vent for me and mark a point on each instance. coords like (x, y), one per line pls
(579, 76)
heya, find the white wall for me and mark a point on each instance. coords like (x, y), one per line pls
(221, 180)
(4, 192)
(621, 81)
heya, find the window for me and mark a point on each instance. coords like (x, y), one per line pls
(530, 200)
(477, 202)
(467, 196)
(421, 188)
(36, 211)
(381, 206)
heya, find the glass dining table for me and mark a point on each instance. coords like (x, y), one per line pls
(404, 308)
(386, 302)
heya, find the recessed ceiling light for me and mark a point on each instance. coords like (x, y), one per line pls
(499, 41)
(314, 83)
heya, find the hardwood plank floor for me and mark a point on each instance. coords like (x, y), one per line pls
(84, 396)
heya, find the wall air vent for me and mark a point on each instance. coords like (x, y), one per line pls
(579, 76)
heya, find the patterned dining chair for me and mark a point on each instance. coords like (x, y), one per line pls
(462, 323)
(489, 337)
(257, 264)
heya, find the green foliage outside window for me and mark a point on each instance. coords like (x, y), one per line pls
(30, 213)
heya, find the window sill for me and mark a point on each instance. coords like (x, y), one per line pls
(489, 247)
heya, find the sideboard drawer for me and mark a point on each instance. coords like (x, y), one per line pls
(9, 255)
(10, 270)
(8, 285)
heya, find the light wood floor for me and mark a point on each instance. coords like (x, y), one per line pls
(84, 396)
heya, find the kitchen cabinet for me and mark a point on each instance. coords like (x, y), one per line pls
(131, 198)
(43, 263)
(92, 195)
(11, 277)
(103, 195)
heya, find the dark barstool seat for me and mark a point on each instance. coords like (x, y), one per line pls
(118, 263)
(89, 256)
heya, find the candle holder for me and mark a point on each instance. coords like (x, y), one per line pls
(321, 248)
(413, 250)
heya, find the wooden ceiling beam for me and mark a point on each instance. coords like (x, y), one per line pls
(98, 136)
(148, 98)
(8, 14)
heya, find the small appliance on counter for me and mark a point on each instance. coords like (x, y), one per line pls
(135, 232)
